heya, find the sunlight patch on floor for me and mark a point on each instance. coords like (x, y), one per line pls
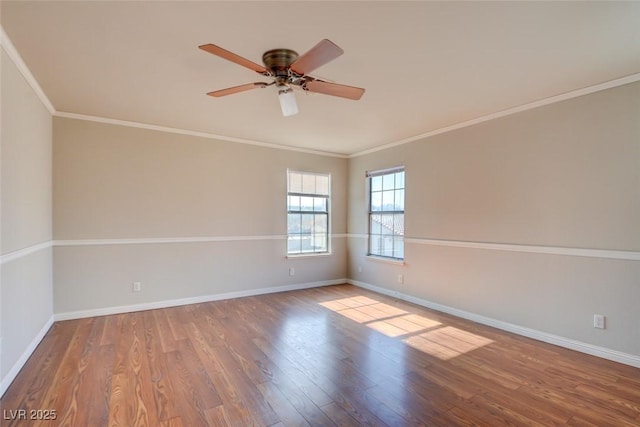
(447, 342)
(419, 332)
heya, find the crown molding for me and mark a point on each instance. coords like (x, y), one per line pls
(632, 78)
(207, 135)
(13, 54)
(8, 46)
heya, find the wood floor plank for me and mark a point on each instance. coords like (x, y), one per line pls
(237, 410)
(204, 390)
(132, 401)
(167, 339)
(288, 375)
(159, 371)
(331, 356)
(339, 416)
(174, 422)
(286, 412)
(217, 416)
(411, 409)
(63, 394)
(186, 396)
(88, 405)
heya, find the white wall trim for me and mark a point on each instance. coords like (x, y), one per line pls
(8, 47)
(20, 253)
(550, 250)
(602, 352)
(161, 240)
(193, 133)
(509, 111)
(13, 372)
(358, 235)
(553, 250)
(192, 300)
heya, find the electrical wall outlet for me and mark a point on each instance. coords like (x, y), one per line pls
(359, 269)
(136, 287)
(400, 278)
(292, 271)
(599, 321)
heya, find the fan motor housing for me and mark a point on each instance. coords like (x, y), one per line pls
(279, 59)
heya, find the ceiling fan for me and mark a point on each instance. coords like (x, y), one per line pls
(288, 71)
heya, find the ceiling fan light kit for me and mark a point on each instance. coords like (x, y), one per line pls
(288, 103)
(288, 70)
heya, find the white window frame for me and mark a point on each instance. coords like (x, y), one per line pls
(378, 240)
(293, 209)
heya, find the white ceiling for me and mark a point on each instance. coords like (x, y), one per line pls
(425, 65)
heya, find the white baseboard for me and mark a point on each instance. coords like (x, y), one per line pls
(192, 300)
(602, 352)
(13, 372)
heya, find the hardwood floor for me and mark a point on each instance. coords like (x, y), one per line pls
(337, 355)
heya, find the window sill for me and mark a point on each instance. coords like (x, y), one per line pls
(309, 255)
(385, 260)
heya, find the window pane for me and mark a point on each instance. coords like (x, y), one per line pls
(398, 247)
(322, 185)
(320, 204)
(320, 242)
(386, 224)
(306, 223)
(387, 246)
(375, 226)
(388, 181)
(387, 200)
(399, 200)
(320, 224)
(293, 223)
(374, 245)
(294, 203)
(306, 203)
(399, 180)
(293, 244)
(376, 183)
(398, 224)
(376, 201)
(305, 243)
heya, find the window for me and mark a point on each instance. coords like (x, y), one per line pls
(307, 213)
(386, 213)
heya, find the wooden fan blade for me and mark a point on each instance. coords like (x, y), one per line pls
(317, 56)
(230, 56)
(236, 89)
(334, 89)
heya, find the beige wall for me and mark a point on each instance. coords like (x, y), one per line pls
(117, 182)
(26, 296)
(563, 175)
